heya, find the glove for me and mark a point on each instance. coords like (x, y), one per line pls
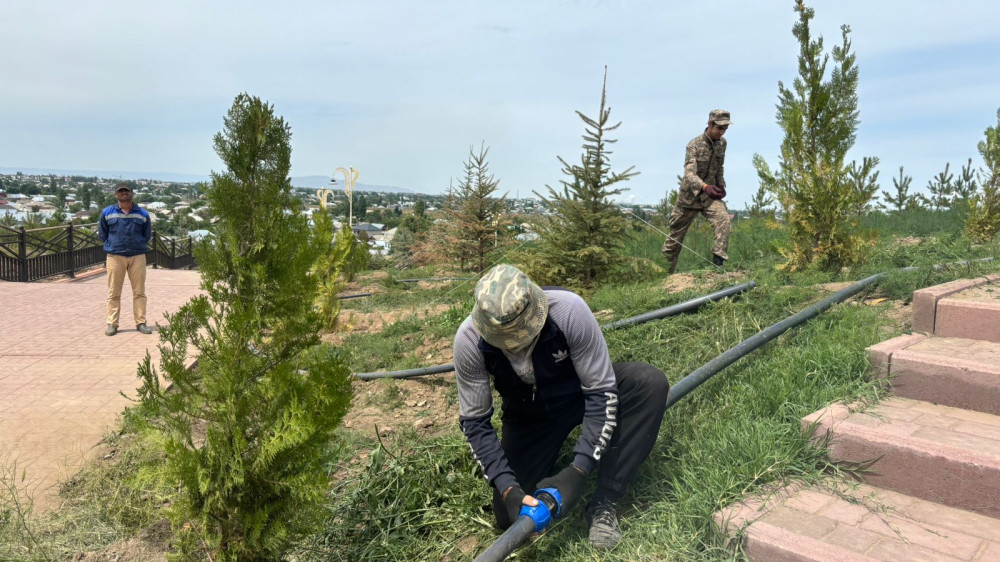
(715, 192)
(512, 502)
(569, 482)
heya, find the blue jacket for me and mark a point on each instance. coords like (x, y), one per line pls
(125, 234)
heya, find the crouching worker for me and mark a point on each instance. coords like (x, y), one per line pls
(546, 356)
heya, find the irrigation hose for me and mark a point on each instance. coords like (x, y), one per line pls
(433, 279)
(522, 530)
(672, 310)
(354, 296)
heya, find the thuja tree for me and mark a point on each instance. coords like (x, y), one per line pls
(478, 219)
(246, 433)
(813, 181)
(581, 241)
(983, 222)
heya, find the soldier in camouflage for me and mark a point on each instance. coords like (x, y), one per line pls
(702, 189)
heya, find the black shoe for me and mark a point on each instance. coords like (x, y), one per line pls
(111, 330)
(717, 260)
(144, 329)
(604, 531)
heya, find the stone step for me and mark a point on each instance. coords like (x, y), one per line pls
(958, 372)
(937, 453)
(973, 313)
(966, 299)
(841, 521)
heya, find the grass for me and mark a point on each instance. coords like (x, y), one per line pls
(407, 497)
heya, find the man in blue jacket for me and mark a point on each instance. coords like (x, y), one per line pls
(546, 356)
(126, 230)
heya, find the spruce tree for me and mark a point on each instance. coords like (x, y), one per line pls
(266, 394)
(477, 219)
(581, 241)
(983, 222)
(813, 183)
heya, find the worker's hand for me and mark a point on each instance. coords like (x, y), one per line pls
(513, 498)
(569, 482)
(715, 192)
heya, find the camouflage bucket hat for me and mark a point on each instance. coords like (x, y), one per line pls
(510, 310)
(719, 117)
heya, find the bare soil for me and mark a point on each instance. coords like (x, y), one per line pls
(351, 322)
(149, 546)
(678, 282)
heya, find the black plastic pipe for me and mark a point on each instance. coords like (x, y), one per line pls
(681, 307)
(434, 279)
(735, 353)
(355, 296)
(508, 541)
(407, 373)
(672, 310)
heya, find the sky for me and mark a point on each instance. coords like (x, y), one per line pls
(402, 90)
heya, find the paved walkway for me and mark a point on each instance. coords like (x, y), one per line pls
(61, 377)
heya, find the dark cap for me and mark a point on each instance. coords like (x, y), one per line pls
(122, 186)
(719, 117)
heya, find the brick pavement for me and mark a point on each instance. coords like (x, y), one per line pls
(61, 377)
(861, 523)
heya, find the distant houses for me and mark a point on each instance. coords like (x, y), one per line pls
(379, 239)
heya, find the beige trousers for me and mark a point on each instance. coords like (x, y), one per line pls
(118, 268)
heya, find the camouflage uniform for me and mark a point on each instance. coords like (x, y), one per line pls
(703, 165)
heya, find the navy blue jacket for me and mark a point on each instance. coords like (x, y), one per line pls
(125, 234)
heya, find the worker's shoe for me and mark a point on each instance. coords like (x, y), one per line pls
(604, 531)
(111, 330)
(717, 261)
(144, 329)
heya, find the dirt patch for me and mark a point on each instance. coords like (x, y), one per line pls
(834, 287)
(435, 350)
(901, 315)
(150, 545)
(362, 284)
(353, 322)
(908, 241)
(427, 404)
(678, 282)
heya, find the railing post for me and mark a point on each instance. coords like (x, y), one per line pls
(173, 252)
(22, 256)
(155, 255)
(69, 245)
(191, 251)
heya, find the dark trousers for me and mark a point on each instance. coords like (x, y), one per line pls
(532, 447)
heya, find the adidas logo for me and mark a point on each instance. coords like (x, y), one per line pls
(560, 355)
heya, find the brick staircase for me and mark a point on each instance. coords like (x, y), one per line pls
(929, 456)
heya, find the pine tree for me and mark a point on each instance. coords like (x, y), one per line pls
(813, 183)
(942, 189)
(965, 185)
(865, 180)
(983, 222)
(477, 220)
(267, 394)
(581, 241)
(902, 199)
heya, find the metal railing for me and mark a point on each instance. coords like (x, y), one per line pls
(38, 253)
